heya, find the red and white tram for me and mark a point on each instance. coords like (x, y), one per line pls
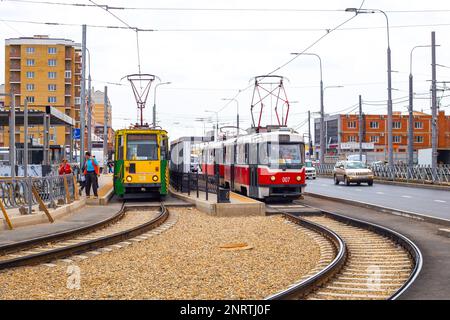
(262, 165)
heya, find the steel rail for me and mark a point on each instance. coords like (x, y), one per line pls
(63, 235)
(308, 285)
(93, 244)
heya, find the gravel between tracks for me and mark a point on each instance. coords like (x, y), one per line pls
(184, 262)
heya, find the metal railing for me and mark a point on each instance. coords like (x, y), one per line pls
(417, 174)
(53, 190)
(194, 182)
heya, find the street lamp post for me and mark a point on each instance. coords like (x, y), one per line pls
(217, 123)
(154, 101)
(89, 119)
(237, 112)
(389, 81)
(322, 121)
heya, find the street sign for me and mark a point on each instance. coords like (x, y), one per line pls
(355, 145)
(76, 134)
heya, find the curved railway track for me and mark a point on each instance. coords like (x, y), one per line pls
(360, 260)
(129, 222)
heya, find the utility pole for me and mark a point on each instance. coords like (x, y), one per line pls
(309, 134)
(25, 139)
(83, 97)
(89, 124)
(433, 104)
(410, 123)
(105, 131)
(360, 126)
(322, 127)
(12, 135)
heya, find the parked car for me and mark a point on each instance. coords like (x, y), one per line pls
(352, 172)
(310, 170)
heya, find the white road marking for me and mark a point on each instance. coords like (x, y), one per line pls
(379, 192)
(324, 185)
(441, 201)
(406, 197)
(358, 189)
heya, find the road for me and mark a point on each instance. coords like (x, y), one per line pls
(435, 203)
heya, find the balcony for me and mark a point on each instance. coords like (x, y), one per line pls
(14, 77)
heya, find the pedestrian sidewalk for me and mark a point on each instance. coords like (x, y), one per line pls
(82, 217)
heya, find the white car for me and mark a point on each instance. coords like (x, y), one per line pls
(310, 170)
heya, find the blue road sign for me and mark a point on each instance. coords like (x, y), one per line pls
(76, 134)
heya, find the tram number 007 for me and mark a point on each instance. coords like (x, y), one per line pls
(286, 179)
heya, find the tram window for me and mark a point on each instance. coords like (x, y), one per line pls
(253, 153)
(246, 153)
(164, 148)
(284, 154)
(120, 148)
(142, 147)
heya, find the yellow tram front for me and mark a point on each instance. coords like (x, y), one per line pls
(140, 166)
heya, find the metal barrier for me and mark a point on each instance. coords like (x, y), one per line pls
(195, 182)
(416, 174)
(18, 192)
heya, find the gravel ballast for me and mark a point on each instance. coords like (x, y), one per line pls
(200, 257)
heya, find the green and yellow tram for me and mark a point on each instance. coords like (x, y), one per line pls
(141, 163)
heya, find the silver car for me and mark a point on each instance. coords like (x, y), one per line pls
(352, 172)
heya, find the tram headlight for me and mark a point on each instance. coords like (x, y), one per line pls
(155, 178)
(299, 178)
(129, 178)
(272, 178)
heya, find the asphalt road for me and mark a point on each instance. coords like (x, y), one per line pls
(435, 203)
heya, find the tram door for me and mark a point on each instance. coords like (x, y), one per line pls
(252, 154)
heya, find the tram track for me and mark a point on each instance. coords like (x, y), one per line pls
(129, 222)
(368, 261)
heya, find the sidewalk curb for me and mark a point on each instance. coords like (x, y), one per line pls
(403, 213)
(402, 184)
(38, 218)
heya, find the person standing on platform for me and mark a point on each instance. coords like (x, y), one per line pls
(91, 172)
(64, 168)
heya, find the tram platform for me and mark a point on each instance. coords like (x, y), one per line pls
(239, 205)
(19, 220)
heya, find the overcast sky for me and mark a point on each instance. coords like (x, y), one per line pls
(206, 66)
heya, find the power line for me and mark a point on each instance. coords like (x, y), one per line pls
(216, 9)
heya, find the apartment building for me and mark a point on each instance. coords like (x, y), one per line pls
(47, 72)
(98, 116)
(342, 132)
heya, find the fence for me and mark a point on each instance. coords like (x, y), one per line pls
(23, 192)
(194, 182)
(403, 173)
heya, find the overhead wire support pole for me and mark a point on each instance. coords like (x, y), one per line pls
(83, 97)
(433, 105)
(12, 135)
(360, 127)
(105, 131)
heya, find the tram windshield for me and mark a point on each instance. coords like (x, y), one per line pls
(142, 147)
(286, 155)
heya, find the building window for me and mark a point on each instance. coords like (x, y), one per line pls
(52, 87)
(68, 74)
(374, 125)
(77, 100)
(30, 99)
(396, 125)
(30, 50)
(374, 139)
(351, 138)
(351, 124)
(52, 75)
(51, 50)
(396, 139)
(418, 125)
(30, 74)
(51, 100)
(418, 139)
(52, 62)
(30, 86)
(30, 62)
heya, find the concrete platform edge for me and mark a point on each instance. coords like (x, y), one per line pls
(38, 218)
(403, 213)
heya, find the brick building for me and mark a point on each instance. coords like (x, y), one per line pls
(342, 134)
